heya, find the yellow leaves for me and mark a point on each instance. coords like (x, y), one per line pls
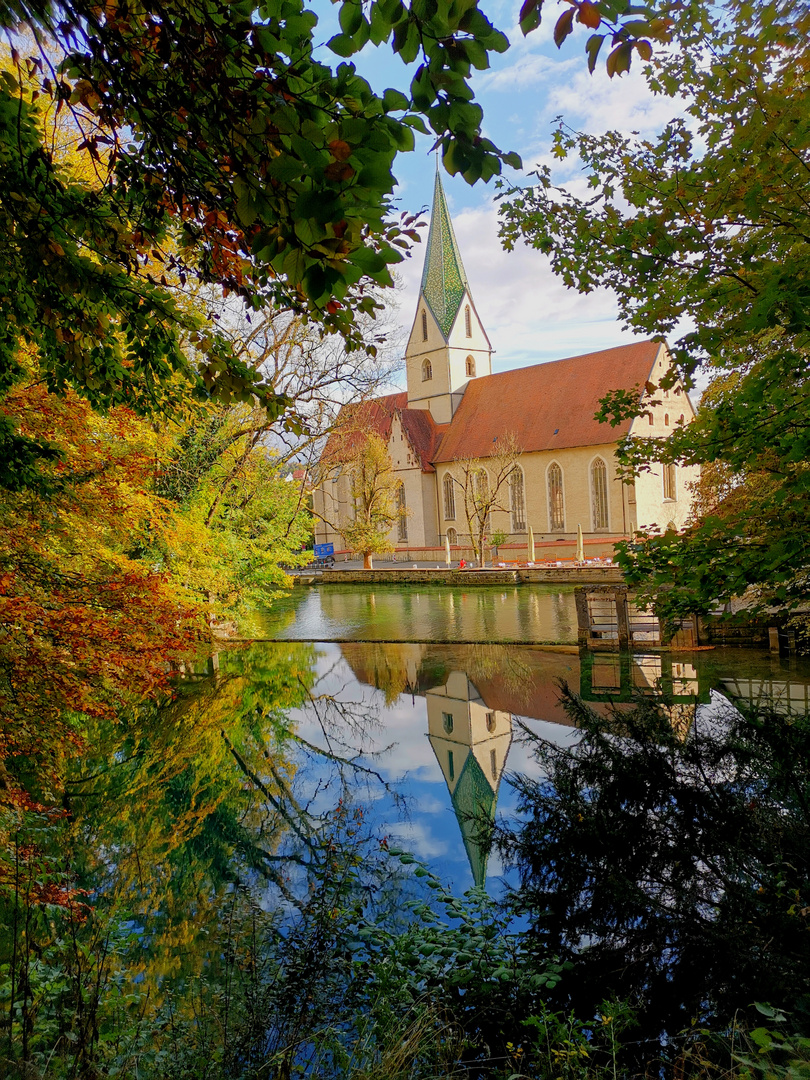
(84, 93)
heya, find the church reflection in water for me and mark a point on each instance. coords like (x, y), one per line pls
(471, 743)
(475, 694)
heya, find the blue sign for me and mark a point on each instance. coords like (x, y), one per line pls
(322, 550)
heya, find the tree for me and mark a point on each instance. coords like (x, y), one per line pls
(668, 866)
(88, 624)
(374, 487)
(376, 495)
(707, 226)
(484, 485)
(222, 150)
(233, 520)
(316, 376)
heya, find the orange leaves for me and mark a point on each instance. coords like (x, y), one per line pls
(585, 12)
(623, 34)
(588, 15)
(340, 150)
(84, 623)
(338, 171)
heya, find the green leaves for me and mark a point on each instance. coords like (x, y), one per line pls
(530, 15)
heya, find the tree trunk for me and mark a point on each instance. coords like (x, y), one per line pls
(367, 565)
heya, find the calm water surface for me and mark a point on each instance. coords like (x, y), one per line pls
(529, 613)
(441, 726)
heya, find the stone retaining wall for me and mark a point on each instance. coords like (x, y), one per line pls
(549, 575)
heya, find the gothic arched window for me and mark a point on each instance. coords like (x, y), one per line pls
(669, 481)
(449, 499)
(424, 325)
(452, 536)
(556, 506)
(427, 371)
(517, 501)
(402, 521)
(666, 419)
(467, 321)
(599, 495)
(470, 367)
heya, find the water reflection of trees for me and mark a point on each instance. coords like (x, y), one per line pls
(176, 815)
(671, 868)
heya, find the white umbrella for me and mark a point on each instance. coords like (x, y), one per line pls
(531, 544)
(447, 558)
(580, 547)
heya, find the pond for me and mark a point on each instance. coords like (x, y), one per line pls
(237, 841)
(536, 613)
(440, 726)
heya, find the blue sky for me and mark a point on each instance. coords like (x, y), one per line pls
(529, 315)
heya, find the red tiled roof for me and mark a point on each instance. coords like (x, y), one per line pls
(360, 418)
(547, 406)
(421, 430)
(423, 433)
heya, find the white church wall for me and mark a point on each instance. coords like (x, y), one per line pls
(666, 410)
(421, 390)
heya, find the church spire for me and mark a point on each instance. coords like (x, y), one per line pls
(444, 281)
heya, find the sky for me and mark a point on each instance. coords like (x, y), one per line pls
(529, 314)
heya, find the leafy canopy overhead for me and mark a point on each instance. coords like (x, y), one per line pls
(214, 124)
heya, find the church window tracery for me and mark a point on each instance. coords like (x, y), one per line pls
(402, 521)
(470, 367)
(427, 371)
(669, 481)
(556, 505)
(452, 536)
(599, 495)
(517, 500)
(467, 321)
(449, 499)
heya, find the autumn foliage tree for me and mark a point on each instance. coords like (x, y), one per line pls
(373, 489)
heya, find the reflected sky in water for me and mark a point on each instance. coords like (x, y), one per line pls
(440, 725)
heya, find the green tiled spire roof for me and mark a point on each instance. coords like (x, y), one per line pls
(443, 277)
(474, 801)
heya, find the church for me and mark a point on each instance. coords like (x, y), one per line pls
(458, 414)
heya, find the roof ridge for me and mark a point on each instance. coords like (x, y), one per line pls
(549, 406)
(565, 359)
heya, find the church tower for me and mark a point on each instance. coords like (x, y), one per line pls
(471, 743)
(448, 345)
